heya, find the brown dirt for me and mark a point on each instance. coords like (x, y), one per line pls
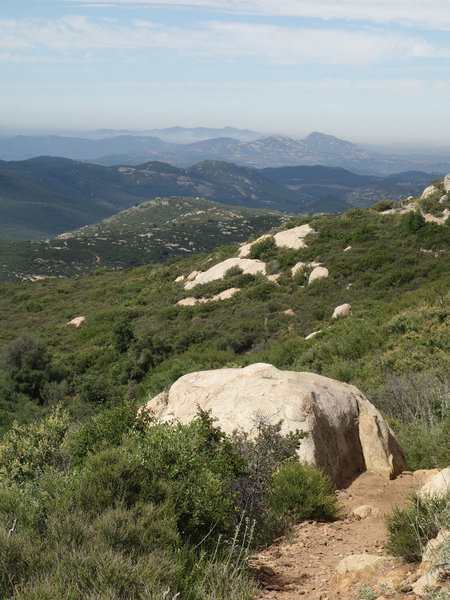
(302, 564)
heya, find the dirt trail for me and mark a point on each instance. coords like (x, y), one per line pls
(302, 565)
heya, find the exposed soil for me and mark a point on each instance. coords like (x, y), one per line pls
(302, 564)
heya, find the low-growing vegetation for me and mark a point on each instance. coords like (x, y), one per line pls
(139, 508)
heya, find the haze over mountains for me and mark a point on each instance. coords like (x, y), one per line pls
(242, 147)
(43, 197)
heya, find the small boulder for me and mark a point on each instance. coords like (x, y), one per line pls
(425, 584)
(347, 249)
(293, 238)
(77, 321)
(318, 273)
(343, 310)
(179, 278)
(358, 563)
(443, 199)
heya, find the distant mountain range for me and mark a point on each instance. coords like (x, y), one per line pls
(43, 197)
(273, 151)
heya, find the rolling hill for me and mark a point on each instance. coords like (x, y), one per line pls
(43, 197)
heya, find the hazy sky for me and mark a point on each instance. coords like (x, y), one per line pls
(365, 70)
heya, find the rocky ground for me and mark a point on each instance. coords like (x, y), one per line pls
(308, 562)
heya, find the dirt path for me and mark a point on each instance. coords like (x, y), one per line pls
(302, 565)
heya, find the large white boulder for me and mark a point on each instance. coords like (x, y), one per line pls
(346, 434)
(293, 238)
(247, 265)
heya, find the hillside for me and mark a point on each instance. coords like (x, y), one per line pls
(395, 275)
(96, 503)
(151, 232)
(44, 197)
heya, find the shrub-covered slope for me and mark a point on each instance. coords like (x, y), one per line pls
(153, 231)
(135, 336)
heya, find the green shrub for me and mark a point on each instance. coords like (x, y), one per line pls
(410, 528)
(26, 450)
(303, 492)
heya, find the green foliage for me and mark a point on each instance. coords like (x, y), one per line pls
(410, 528)
(26, 450)
(414, 221)
(26, 361)
(303, 492)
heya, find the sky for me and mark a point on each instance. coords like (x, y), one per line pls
(373, 71)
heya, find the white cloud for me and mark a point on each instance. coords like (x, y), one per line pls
(214, 39)
(428, 14)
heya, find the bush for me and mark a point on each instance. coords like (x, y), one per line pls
(410, 528)
(26, 450)
(301, 491)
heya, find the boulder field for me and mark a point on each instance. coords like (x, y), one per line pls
(346, 433)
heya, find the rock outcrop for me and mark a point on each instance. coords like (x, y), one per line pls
(429, 191)
(346, 434)
(252, 267)
(447, 183)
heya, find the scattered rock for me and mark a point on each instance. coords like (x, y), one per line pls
(252, 267)
(365, 511)
(77, 321)
(293, 238)
(273, 278)
(431, 554)
(356, 563)
(289, 312)
(425, 584)
(342, 311)
(179, 278)
(311, 335)
(347, 249)
(318, 273)
(346, 432)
